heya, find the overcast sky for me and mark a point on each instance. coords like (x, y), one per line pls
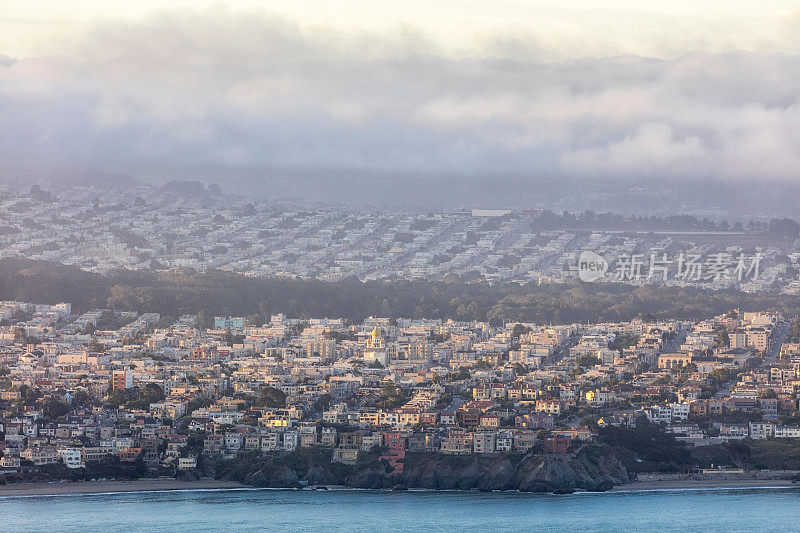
(595, 89)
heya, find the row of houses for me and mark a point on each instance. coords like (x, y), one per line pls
(454, 441)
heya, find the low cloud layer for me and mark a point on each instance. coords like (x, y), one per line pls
(228, 93)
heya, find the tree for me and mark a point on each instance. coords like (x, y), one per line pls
(53, 408)
(482, 365)
(271, 397)
(227, 338)
(392, 396)
(150, 393)
(386, 310)
(212, 292)
(136, 398)
(96, 347)
(117, 398)
(462, 374)
(652, 448)
(588, 361)
(81, 399)
(255, 319)
(722, 338)
(738, 452)
(321, 403)
(29, 395)
(784, 228)
(717, 378)
(622, 341)
(519, 330)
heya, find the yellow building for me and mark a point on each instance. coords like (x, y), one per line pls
(376, 348)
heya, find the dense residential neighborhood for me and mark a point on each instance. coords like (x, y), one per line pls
(369, 267)
(110, 387)
(185, 225)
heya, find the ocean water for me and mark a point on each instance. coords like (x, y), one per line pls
(662, 511)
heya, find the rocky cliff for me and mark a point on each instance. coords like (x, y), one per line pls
(592, 468)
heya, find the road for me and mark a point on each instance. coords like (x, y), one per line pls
(778, 338)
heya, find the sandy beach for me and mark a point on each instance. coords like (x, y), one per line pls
(705, 484)
(143, 485)
(89, 487)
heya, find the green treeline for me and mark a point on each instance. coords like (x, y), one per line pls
(184, 291)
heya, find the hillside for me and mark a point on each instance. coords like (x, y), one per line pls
(181, 291)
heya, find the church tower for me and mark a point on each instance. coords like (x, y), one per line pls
(376, 340)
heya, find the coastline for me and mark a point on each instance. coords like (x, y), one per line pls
(156, 485)
(704, 484)
(91, 487)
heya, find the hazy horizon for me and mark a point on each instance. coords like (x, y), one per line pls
(435, 103)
